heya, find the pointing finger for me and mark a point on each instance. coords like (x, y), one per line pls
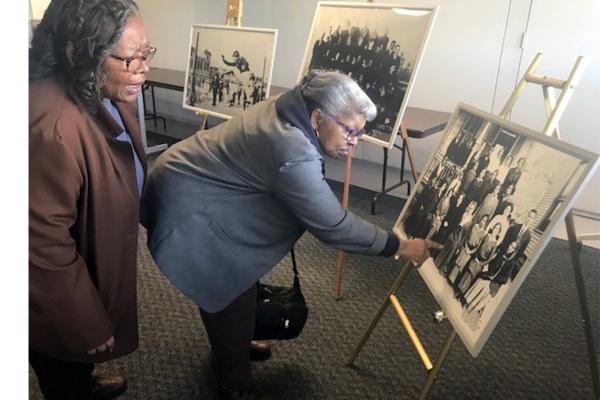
(433, 245)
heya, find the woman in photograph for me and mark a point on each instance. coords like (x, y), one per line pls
(453, 149)
(514, 174)
(453, 216)
(503, 270)
(495, 158)
(440, 213)
(474, 238)
(474, 190)
(466, 149)
(484, 254)
(484, 158)
(504, 167)
(487, 285)
(469, 176)
(504, 220)
(481, 285)
(506, 197)
(486, 187)
(429, 206)
(454, 184)
(489, 203)
(457, 235)
(416, 213)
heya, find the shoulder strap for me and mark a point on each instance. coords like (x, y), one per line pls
(296, 278)
(294, 267)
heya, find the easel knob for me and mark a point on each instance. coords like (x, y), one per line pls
(233, 13)
(439, 316)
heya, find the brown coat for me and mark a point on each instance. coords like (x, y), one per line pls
(83, 226)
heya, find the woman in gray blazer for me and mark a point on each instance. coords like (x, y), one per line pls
(224, 206)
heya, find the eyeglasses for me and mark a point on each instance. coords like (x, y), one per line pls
(351, 133)
(135, 62)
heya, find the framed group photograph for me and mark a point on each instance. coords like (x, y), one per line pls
(380, 46)
(491, 193)
(229, 68)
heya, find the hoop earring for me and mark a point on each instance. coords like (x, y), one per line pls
(317, 133)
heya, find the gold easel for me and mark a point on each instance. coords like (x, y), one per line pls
(233, 15)
(554, 110)
(589, 236)
(339, 256)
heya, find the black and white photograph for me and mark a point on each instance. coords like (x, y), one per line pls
(229, 68)
(380, 46)
(491, 193)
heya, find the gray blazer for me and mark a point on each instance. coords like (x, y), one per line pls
(224, 206)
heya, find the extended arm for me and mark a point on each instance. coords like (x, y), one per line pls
(230, 63)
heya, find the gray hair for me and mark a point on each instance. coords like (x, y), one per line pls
(335, 93)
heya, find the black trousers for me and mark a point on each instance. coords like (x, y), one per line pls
(230, 332)
(61, 380)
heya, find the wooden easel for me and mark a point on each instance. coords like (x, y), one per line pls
(339, 260)
(554, 109)
(406, 150)
(339, 256)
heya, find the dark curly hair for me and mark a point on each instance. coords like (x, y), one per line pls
(73, 40)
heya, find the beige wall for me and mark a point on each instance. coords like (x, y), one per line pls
(37, 8)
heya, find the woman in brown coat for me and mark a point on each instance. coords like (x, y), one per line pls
(88, 61)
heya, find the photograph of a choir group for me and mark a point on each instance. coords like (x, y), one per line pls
(229, 68)
(379, 46)
(491, 193)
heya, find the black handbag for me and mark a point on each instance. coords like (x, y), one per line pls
(281, 312)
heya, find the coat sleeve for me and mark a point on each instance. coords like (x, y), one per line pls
(301, 186)
(66, 314)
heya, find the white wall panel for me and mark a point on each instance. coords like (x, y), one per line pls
(563, 31)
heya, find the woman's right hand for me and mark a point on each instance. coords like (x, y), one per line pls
(109, 345)
(417, 250)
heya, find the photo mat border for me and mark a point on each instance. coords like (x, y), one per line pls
(372, 5)
(227, 28)
(592, 161)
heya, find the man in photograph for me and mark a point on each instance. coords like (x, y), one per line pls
(514, 174)
(215, 87)
(242, 73)
(520, 233)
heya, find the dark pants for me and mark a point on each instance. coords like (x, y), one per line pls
(61, 380)
(230, 332)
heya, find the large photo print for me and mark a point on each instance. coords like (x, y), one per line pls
(491, 193)
(229, 68)
(380, 46)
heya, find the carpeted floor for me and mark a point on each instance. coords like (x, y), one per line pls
(537, 350)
